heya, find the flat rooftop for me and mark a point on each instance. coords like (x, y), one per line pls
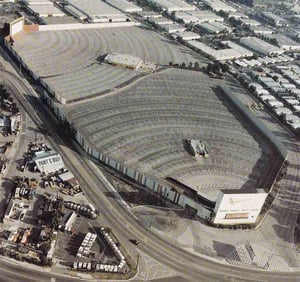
(94, 8)
(144, 126)
(44, 10)
(68, 61)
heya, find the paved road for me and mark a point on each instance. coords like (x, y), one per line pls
(157, 250)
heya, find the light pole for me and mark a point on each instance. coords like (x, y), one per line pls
(137, 261)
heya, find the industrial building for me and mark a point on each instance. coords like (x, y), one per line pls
(96, 11)
(48, 162)
(198, 16)
(218, 5)
(149, 14)
(233, 51)
(173, 28)
(214, 27)
(124, 5)
(44, 9)
(161, 21)
(249, 22)
(123, 60)
(260, 29)
(237, 15)
(187, 35)
(205, 16)
(260, 46)
(284, 42)
(173, 5)
(260, 3)
(274, 19)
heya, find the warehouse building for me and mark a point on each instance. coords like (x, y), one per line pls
(260, 29)
(149, 14)
(76, 13)
(125, 6)
(214, 27)
(274, 19)
(260, 46)
(233, 51)
(218, 6)
(160, 21)
(185, 17)
(173, 5)
(237, 15)
(187, 35)
(284, 42)
(123, 60)
(48, 162)
(44, 9)
(97, 11)
(249, 22)
(173, 28)
(205, 16)
(198, 16)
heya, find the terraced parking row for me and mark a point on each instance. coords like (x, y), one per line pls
(144, 127)
(68, 61)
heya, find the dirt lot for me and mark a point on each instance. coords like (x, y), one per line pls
(132, 193)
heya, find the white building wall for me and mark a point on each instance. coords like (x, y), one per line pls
(16, 26)
(238, 208)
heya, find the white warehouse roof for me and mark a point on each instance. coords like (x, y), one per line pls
(97, 10)
(160, 21)
(172, 28)
(188, 35)
(275, 104)
(173, 5)
(220, 55)
(123, 60)
(261, 29)
(47, 162)
(282, 111)
(124, 6)
(260, 46)
(214, 27)
(243, 51)
(45, 10)
(218, 5)
(285, 42)
(249, 22)
(205, 16)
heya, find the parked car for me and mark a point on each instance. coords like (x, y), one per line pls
(134, 241)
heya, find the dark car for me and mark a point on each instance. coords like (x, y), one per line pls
(134, 241)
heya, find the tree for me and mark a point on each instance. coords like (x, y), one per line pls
(196, 65)
(190, 65)
(183, 65)
(224, 67)
(216, 67)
